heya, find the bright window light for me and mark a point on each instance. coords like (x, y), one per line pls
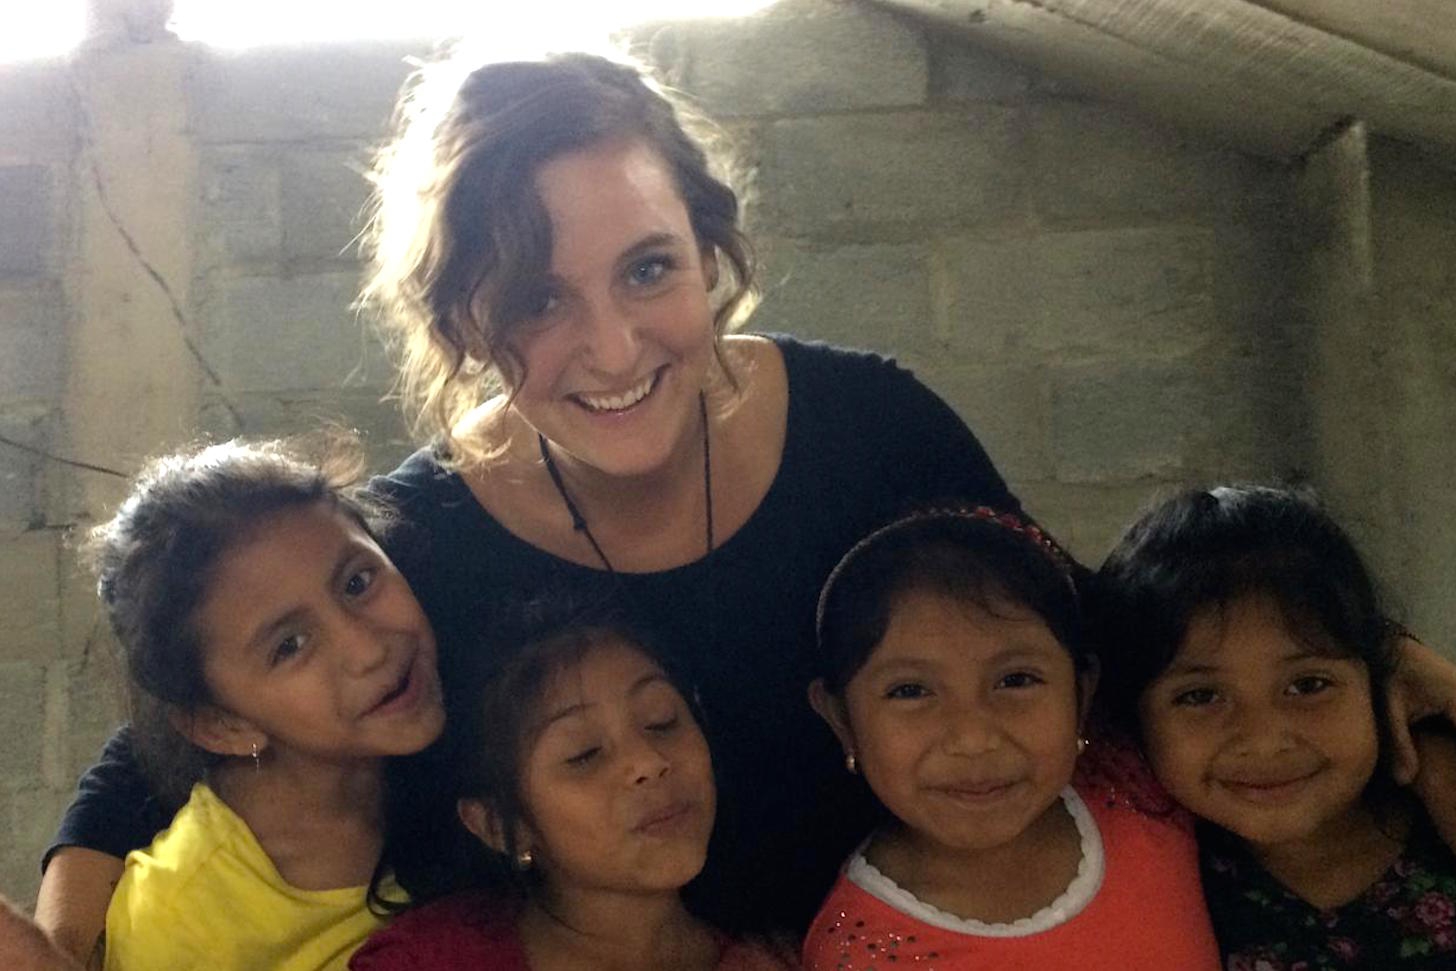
(41, 30)
(53, 27)
(546, 23)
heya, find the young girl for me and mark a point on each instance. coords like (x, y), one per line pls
(956, 677)
(1250, 642)
(585, 776)
(276, 657)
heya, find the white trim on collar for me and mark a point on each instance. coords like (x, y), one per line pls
(1071, 902)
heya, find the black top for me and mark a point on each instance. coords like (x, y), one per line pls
(1405, 921)
(865, 441)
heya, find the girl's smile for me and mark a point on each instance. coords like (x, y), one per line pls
(964, 720)
(1256, 731)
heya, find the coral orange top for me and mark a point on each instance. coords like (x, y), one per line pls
(1135, 904)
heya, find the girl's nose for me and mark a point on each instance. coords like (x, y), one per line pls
(970, 731)
(647, 763)
(362, 646)
(1258, 732)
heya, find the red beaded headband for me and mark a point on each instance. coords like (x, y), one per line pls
(1033, 533)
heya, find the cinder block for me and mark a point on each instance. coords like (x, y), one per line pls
(869, 173)
(1095, 162)
(1007, 406)
(95, 689)
(23, 473)
(1095, 293)
(1087, 519)
(292, 334)
(1114, 423)
(379, 423)
(959, 72)
(323, 195)
(843, 58)
(875, 296)
(239, 221)
(34, 320)
(38, 119)
(27, 221)
(30, 596)
(294, 94)
(22, 713)
(29, 817)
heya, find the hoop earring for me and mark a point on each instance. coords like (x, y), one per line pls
(525, 860)
(851, 763)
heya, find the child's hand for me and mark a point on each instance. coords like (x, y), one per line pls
(24, 946)
(1423, 686)
(1436, 782)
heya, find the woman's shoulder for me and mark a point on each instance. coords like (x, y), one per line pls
(467, 930)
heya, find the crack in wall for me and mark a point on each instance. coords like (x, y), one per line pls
(184, 326)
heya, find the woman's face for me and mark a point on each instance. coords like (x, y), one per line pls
(616, 781)
(622, 342)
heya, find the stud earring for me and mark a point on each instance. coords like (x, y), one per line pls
(257, 758)
(851, 763)
(525, 860)
(1081, 745)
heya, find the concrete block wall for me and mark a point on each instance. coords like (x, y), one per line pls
(1108, 304)
(1104, 301)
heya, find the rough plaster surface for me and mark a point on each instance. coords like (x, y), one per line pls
(1112, 307)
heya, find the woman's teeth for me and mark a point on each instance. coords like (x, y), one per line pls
(622, 401)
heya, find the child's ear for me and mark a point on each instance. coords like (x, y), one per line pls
(831, 709)
(1087, 689)
(217, 731)
(485, 824)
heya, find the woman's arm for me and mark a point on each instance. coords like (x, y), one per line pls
(1436, 782)
(74, 894)
(24, 947)
(1424, 686)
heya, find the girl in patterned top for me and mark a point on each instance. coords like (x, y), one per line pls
(1247, 639)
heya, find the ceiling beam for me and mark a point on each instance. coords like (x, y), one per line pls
(1256, 77)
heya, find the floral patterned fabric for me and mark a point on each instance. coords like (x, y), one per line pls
(1406, 920)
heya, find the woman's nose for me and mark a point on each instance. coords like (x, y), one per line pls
(610, 339)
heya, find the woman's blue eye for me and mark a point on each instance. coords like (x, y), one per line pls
(1020, 679)
(584, 757)
(649, 270)
(1196, 698)
(908, 692)
(360, 581)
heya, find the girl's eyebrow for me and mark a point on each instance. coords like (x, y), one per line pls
(581, 706)
(1185, 667)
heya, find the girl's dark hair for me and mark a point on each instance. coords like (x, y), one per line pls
(977, 556)
(1210, 548)
(459, 243)
(154, 560)
(496, 710)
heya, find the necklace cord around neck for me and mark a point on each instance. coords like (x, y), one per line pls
(578, 521)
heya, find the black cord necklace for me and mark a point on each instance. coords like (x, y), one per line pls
(578, 521)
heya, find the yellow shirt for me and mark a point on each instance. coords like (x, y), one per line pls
(205, 895)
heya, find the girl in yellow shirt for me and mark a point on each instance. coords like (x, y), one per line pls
(276, 658)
